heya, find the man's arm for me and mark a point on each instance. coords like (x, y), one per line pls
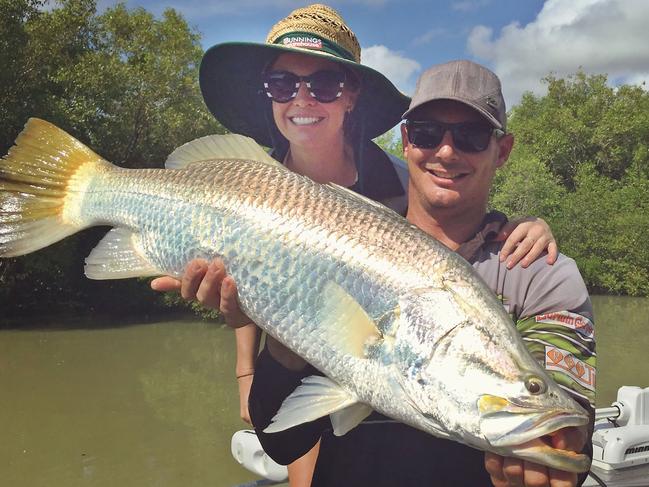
(554, 316)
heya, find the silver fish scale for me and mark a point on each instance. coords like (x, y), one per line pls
(283, 238)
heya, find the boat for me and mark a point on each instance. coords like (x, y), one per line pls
(620, 446)
(621, 441)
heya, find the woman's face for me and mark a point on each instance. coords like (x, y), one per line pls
(304, 121)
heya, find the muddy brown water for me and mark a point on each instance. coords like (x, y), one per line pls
(86, 403)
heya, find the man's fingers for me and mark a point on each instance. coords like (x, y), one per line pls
(513, 470)
(535, 475)
(192, 278)
(165, 283)
(494, 466)
(559, 478)
(572, 439)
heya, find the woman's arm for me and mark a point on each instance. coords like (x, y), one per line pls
(525, 240)
(210, 286)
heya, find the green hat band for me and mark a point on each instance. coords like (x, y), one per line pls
(307, 40)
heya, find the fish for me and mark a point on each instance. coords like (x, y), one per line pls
(397, 322)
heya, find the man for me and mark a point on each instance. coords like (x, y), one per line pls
(454, 141)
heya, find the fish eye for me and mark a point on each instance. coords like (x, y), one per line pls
(535, 385)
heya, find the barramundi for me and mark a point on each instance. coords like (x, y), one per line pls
(396, 321)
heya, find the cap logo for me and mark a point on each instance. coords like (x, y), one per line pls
(303, 41)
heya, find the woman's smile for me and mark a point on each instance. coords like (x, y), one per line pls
(302, 120)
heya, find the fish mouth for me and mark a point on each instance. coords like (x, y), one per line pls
(519, 430)
(539, 451)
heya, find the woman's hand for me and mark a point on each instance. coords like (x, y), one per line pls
(526, 239)
(513, 472)
(210, 285)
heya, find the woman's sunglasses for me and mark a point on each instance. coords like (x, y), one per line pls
(467, 136)
(325, 86)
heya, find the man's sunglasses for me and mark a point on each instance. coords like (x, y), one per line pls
(325, 86)
(467, 136)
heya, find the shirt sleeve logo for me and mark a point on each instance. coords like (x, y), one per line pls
(574, 321)
(563, 361)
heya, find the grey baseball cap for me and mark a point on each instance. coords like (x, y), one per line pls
(466, 82)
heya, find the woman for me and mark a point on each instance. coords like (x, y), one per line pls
(305, 94)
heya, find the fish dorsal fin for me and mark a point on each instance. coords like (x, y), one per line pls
(345, 322)
(118, 256)
(314, 398)
(228, 146)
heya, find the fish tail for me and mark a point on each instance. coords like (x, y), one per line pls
(42, 182)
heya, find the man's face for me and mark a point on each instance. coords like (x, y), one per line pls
(444, 177)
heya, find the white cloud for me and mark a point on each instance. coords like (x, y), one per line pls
(599, 36)
(396, 67)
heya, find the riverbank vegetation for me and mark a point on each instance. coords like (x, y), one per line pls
(581, 161)
(126, 84)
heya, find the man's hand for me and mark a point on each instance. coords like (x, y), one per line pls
(526, 239)
(210, 285)
(513, 472)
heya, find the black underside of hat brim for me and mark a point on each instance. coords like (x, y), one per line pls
(230, 80)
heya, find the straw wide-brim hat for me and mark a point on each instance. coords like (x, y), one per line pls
(230, 73)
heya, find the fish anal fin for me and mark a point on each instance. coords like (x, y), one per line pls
(118, 256)
(348, 418)
(314, 398)
(214, 147)
(345, 323)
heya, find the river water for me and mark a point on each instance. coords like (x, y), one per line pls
(91, 403)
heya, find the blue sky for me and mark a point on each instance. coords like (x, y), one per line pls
(521, 40)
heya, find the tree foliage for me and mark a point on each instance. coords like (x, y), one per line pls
(582, 163)
(126, 83)
(123, 82)
(391, 142)
(582, 119)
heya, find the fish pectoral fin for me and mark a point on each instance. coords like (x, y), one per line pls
(228, 146)
(348, 418)
(345, 323)
(118, 256)
(314, 398)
